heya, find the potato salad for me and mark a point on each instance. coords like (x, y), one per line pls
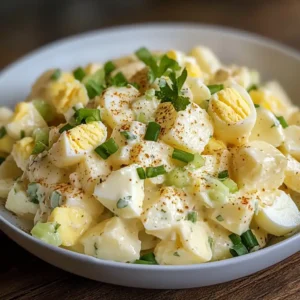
(165, 158)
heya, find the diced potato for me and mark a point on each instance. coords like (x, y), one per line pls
(21, 152)
(291, 142)
(188, 130)
(113, 239)
(9, 169)
(73, 221)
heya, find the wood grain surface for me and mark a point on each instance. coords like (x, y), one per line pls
(26, 25)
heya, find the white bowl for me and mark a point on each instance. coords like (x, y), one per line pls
(272, 60)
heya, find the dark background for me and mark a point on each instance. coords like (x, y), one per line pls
(27, 24)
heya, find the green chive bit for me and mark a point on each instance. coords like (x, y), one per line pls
(93, 89)
(282, 121)
(106, 149)
(152, 132)
(249, 239)
(79, 73)
(220, 218)
(56, 74)
(141, 172)
(2, 132)
(149, 257)
(124, 201)
(252, 87)
(256, 105)
(192, 216)
(65, 128)
(155, 171)
(238, 247)
(128, 135)
(214, 88)
(183, 155)
(223, 175)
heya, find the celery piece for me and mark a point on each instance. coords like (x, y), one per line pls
(47, 232)
(45, 109)
(178, 177)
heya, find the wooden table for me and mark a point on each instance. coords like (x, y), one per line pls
(22, 276)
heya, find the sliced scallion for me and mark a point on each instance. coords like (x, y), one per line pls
(238, 247)
(214, 88)
(55, 199)
(256, 105)
(87, 115)
(282, 121)
(155, 171)
(252, 88)
(128, 135)
(220, 218)
(22, 134)
(32, 192)
(119, 80)
(149, 257)
(183, 155)
(65, 128)
(249, 239)
(223, 175)
(93, 89)
(192, 216)
(124, 202)
(152, 132)
(109, 67)
(107, 149)
(141, 172)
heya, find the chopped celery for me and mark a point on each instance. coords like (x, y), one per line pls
(142, 118)
(41, 136)
(47, 232)
(198, 162)
(32, 192)
(217, 192)
(204, 104)
(178, 177)
(45, 109)
(231, 185)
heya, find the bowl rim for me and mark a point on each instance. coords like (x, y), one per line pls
(229, 31)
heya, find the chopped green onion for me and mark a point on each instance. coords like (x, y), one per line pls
(119, 80)
(47, 232)
(55, 199)
(87, 115)
(214, 88)
(2, 132)
(233, 187)
(256, 105)
(249, 239)
(152, 132)
(149, 257)
(155, 171)
(282, 121)
(211, 242)
(198, 161)
(39, 147)
(32, 190)
(149, 94)
(223, 175)
(217, 191)
(56, 74)
(238, 247)
(93, 89)
(220, 218)
(252, 88)
(192, 216)
(65, 128)
(109, 67)
(141, 118)
(124, 202)
(183, 155)
(128, 135)
(22, 134)
(45, 109)
(141, 173)
(2, 159)
(79, 73)
(176, 254)
(135, 85)
(107, 149)
(178, 177)
(144, 262)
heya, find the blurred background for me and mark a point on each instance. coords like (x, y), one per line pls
(28, 24)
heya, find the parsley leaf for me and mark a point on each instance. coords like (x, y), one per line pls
(172, 94)
(156, 70)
